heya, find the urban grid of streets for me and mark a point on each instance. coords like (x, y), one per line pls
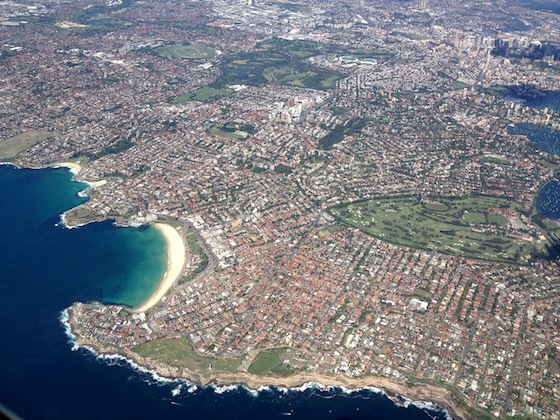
(282, 272)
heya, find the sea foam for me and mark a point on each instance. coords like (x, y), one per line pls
(72, 340)
(119, 360)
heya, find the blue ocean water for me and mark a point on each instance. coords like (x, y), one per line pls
(548, 140)
(544, 138)
(44, 268)
(552, 6)
(548, 201)
(517, 25)
(550, 100)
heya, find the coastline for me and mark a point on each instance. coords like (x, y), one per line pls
(399, 392)
(176, 259)
(74, 167)
(175, 262)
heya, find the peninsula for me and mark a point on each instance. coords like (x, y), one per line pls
(458, 407)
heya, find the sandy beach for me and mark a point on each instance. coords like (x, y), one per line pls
(175, 263)
(72, 165)
(76, 168)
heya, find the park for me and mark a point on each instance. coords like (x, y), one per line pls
(470, 227)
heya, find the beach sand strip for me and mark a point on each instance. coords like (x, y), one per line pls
(175, 263)
(70, 165)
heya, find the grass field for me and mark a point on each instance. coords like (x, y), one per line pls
(276, 61)
(270, 361)
(306, 49)
(195, 249)
(552, 226)
(226, 134)
(495, 159)
(178, 352)
(279, 61)
(496, 90)
(554, 366)
(276, 67)
(11, 147)
(180, 51)
(461, 85)
(462, 227)
(206, 94)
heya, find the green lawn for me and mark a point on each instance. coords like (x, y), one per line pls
(461, 85)
(279, 62)
(424, 294)
(551, 225)
(172, 222)
(495, 159)
(436, 207)
(474, 218)
(180, 51)
(178, 352)
(495, 90)
(202, 95)
(461, 226)
(195, 248)
(554, 366)
(497, 219)
(11, 147)
(269, 361)
(329, 82)
(182, 98)
(226, 134)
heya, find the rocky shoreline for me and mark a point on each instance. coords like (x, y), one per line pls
(441, 396)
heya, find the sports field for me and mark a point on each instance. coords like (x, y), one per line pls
(466, 227)
(179, 51)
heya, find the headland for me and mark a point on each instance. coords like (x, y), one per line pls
(394, 389)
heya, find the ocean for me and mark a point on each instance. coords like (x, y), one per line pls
(45, 267)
